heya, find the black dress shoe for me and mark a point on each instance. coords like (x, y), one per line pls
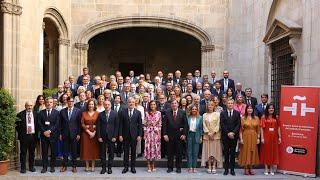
(139, 155)
(226, 172)
(52, 170)
(178, 170)
(23, 171)
(169, 170)
(44, 170)
(125, 170)
(103, 170)
(232, 173)
(109, 171)
(133, 170)
(32, 169)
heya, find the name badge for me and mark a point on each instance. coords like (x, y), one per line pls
(271, 129)
(47, 123)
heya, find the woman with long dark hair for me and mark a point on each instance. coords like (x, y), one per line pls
(249, 140)
(270, 140)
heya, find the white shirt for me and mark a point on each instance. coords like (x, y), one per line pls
(30, 123)
(193, 124)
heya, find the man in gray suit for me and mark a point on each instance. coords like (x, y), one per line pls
(125, 94)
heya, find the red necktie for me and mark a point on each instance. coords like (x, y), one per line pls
(174, 115)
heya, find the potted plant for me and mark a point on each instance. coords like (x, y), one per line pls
(7, 129)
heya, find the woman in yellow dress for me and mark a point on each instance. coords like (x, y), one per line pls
(211, 150)
(249, 140)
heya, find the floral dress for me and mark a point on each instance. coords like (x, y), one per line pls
(152, 136)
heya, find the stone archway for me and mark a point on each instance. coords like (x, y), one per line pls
(91, 30)
(56, 46)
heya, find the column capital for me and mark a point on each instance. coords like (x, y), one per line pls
(10, 8)
(82, 46)
(65, 42)
(207, 48)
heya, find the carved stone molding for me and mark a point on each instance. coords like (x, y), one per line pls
(82, 46)
(65, 42)
(207, 48)
(10, 8)
(295, 44)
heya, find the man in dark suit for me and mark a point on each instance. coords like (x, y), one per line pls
(117, 105)
(189, 78)
(184, 86)
(70, 133)
(217, 90)
(120, 82)
(49, 124)
(125, 94)
(175, 128)
(73, 85)
(177, 77)
(107, 133)
(226, 83)
(85, 72)
(204, 102)
(100, 90)
(230, 125)
(163, 105)
(248, 99)
(86, 83)
(238, 90)
(26, 126)
(133, 79)
(82, 104)
(130, 131)
(260, 108)
(213, 79)
(198, 90)
(170, 79)
(60, 92)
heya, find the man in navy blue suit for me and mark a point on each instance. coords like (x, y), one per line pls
(49, 124)
(70, 133)
(107, 133)
(260, 108)
(204, 102)
(130, 131)
(226, 83)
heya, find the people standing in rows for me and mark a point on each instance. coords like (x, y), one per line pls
(270, 140)
(49, 124)
(152, 135)
(211, 149)
(249, 140)
(107, 134)
(230, 125)
(194, 137)
(175, 127)
(70, 133)
(130, 132)
(89, 150)
(27, 129)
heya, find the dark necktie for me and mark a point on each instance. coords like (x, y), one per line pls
(107, 116)
(174, 115)
(130, 113)
(230, 113)
(48, 113)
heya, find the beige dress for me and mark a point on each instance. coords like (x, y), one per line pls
(211, 148)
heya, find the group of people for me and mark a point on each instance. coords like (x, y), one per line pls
(196, 117)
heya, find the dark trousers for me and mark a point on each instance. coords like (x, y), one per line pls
(129, 144)
(70, 146)
(119, 148)
(103, 148)
(229, 152)
(175, 149)
(164, 145)
(28, 144)
(45, 144)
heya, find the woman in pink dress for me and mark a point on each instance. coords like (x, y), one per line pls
(152, 135)
(239, 105)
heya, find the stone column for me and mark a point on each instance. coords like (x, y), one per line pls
(81, 56)
(11, 47)
(211, 59)
(64, 62)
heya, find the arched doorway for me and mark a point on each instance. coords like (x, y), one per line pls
(144, 50)
(55, 49)
(209, 58)
(50, 54)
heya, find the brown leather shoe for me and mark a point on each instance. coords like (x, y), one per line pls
(63, 169)
(74, 169)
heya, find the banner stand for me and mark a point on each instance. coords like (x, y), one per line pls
(297, 173)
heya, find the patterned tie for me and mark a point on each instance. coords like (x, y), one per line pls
(174, 115)
(29, 129)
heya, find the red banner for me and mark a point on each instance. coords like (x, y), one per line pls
(299, 110)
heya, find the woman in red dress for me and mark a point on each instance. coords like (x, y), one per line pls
(270, 139)
(89, 149)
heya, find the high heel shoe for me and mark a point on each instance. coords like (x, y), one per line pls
(149, 167)
(246, 172)
(251, 172)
